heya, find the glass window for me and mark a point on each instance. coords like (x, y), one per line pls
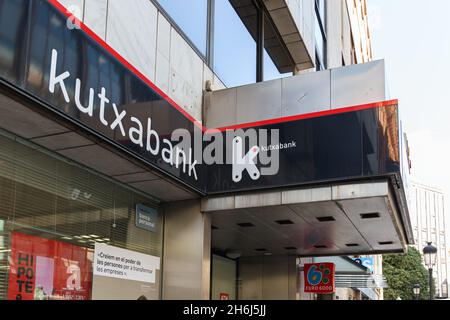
(234, 47)
(320, 46)
(320, 34)
(191, 17)
(13, 15)
(57, 212)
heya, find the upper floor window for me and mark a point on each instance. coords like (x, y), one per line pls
(321, 10)
(236, 31)
(234, 46)
(320, 34)
(191, 17)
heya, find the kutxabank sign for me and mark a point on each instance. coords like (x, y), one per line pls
(80, 76)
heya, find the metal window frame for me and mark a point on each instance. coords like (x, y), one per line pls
(208, 56)
(323, 32)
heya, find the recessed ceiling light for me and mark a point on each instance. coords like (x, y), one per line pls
(86, 237)
(77, 237)
(245, 225)
(284, 222)
(67, 238)
(372, 215)
(352, 245)
(385, 243)
(326, 219)
(94, 236)
(267, 253)
(82, 241)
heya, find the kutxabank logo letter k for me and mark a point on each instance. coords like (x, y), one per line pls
(242, 163)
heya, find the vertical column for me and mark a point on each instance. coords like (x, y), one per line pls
(187, 252)
(260, 46)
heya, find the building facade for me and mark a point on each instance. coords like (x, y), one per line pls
(428, 221)
(99, 192)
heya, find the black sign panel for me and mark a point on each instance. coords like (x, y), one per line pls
(72, 72)
(343, 146)
(80, 77)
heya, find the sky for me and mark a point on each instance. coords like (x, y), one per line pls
(413, 36)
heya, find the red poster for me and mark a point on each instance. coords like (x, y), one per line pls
(319, 278)
(44, 269)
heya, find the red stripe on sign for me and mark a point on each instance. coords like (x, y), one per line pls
(311, 115)
(197, 123)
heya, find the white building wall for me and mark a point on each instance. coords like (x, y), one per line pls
(144, 37)
(428, 222)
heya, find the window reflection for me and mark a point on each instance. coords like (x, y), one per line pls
(320, 34)
(234, 47)
(271, 71)
(191, 17)
(48, 201)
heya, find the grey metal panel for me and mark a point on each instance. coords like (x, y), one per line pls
(63, 141)
(358, 84)
(22, 121)
(260, 101)
(104, 161)
(302, 94)
(337, 233)
(306, 195)
(306, 93)
(250, 274)
(258, 200)
(137, 177)
(163, 190)
(360, 190)
(220, 108)
(272, 214)
(275, 285)
(376, 230)
(347, 234)
(217, 203)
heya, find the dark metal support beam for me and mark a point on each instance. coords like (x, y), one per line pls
(260, 46)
